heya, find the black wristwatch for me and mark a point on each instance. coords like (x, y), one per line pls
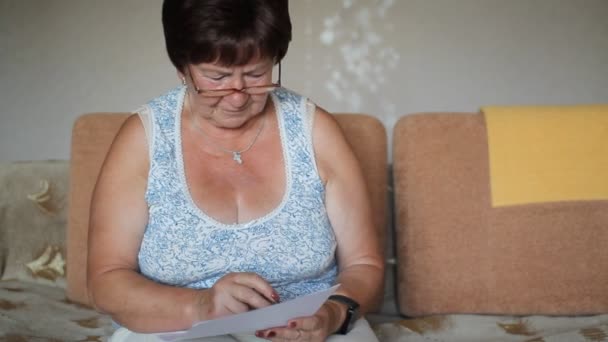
(351, 312)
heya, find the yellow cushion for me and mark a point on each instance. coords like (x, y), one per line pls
(547, 153)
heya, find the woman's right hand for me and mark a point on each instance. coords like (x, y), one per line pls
(236, 293)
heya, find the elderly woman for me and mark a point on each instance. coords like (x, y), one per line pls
(230, 192)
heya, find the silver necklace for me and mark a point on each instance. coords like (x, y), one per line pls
(236, 155)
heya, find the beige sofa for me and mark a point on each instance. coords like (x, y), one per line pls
(457, 268)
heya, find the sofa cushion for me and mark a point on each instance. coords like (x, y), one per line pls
(35, 312)
(367, 137)
(92, 135)
(33, 206)
(484, 328)
(458, 254)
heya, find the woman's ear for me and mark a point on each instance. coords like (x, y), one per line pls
(182, 77)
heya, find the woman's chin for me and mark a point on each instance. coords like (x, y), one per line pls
(232, 121)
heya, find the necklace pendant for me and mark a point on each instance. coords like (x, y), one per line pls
(236, 156)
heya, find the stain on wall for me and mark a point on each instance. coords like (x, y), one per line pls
(358, 71)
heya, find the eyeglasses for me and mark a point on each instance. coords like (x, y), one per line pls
(252, 90)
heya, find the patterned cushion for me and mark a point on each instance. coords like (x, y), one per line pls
(480, 328)
(33, 208)
(36, 312)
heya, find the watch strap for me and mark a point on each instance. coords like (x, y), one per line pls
(351, 312)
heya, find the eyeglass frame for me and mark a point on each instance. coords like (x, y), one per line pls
(229, 91)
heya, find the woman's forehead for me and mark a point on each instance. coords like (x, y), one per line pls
(233, 53)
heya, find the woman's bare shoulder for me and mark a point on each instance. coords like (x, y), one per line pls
(129, 149)
(326, 127)
(332, 150)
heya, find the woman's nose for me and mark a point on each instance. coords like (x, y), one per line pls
(237, 83)
(238, 98)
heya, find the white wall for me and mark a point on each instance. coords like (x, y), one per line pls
(60, 58)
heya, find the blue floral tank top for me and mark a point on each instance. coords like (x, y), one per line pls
(292, 247)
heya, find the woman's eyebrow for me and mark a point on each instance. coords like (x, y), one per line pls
(255, 70)
(227, 71)
(214, 70)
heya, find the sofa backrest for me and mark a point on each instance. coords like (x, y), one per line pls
(92, 136)
(458, 254)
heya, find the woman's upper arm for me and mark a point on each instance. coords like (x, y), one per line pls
(118, 208)
(347, 199)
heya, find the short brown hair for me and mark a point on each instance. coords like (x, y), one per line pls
(231, 32)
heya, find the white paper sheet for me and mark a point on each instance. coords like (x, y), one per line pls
(276, 315)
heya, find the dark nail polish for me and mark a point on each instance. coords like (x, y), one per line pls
(292, 324)
(275, 297)
(272, 334)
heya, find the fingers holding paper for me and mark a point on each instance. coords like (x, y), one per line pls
(314, 328)
(236, 293)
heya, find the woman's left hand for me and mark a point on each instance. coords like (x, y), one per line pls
(314, 328)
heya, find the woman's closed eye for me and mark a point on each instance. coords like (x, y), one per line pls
(216, 77)
(256, 75)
